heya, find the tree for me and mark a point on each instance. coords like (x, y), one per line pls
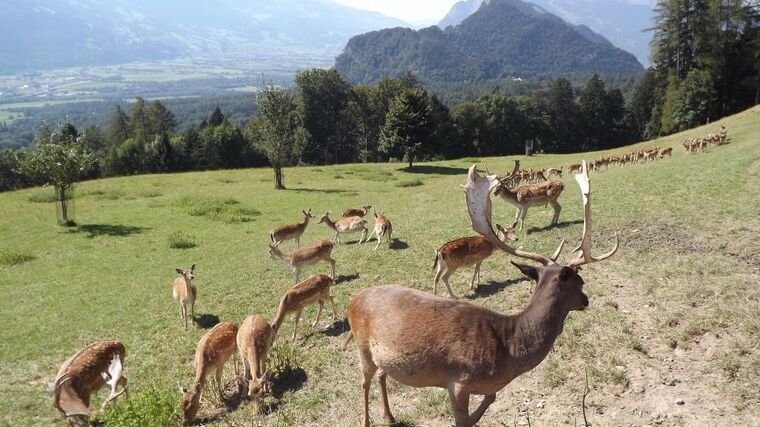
(564, 118)
(162, 154)
(118, 128)
(642, 104)
(323, 97)
(217, 118)
(60, 159)
(278, 129)
(137, 120)
(694, 100)
(159, 119)
(593, 106)
(408, 125)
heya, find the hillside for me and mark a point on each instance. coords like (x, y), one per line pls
(52, 33)
(504, 38)
(622, 21)
(673, 316)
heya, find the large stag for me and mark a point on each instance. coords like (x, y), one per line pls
(422, 340)
(526, 196)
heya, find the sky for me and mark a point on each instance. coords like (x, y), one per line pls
(416, 12)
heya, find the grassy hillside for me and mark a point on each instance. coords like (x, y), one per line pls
(672, 333)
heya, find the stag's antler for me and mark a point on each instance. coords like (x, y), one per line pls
(584, 248)
(477, 192)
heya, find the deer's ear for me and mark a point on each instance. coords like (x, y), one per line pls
(192, 267)
(566, 273)
(527, 270)
(179, 270)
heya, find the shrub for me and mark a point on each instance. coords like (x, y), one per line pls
(179, 240)
(151, 407)
(13, 258)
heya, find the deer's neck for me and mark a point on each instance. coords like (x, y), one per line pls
(282, 256)
(305, 222)
(330, 223)
(506, 193)
(533, 332)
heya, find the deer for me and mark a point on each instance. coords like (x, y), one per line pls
(185, 292)
(83, 374)
(575, 167)
(290, 231)
(666, 152)
(526, 196)
(312, 254)
(464, 252)
(315, 289)
(361, 213)
(554, 172)
(348, 225)
(383, 228)
(254, 339)
(213, 351)
(466, 348)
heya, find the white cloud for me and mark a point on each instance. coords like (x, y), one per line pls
(412, 11)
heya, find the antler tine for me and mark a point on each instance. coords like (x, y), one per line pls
(478, 196)
(558, 251)
(584, 248)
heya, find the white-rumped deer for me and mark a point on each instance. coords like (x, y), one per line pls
(254, 339)
(83, 374)
(308, 255)
(184, 291)
(526, 196)
(348, 225)
(422, 340)
(465, 252)
(315, 289)
(383, 228)
(213, 351)
(290, 231)
(361, 213)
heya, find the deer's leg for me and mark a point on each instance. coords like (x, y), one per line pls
(192, 310)
(298, 242)
(368, 371)
(460, 403)
(445, 278)
(295, 326)
(183, 311)
(381, 376)
(297, 273)
(437, 277)
(319, 313)
(517, 217)
(364, 234)
(219, 370)
(487, 401)
(332, 268)
(374, 231)
(557, 209)
(475, 275)
(390, 231)
(523, 214)
(332, 302)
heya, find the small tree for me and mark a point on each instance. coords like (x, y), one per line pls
(278, 129)
(61, 159)
(408, 125)
(693, 100)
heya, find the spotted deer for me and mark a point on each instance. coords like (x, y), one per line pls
(465, 252)
(308, 255)
(348, 225)
(83, 374)
(185, 292)
(254, 339)
(361, 213)
(422, 340)
(290, 231)
(526, 196)
(315, 289)
(213, 351)
(383, 228)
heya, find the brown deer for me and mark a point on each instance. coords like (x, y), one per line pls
(254, 339)
(465, 252)
(575, 167)
(361, 213)
(666, 152)
(83, 374)
(315, 289)
(529, 195)
(383, 228)
(348, 225)
(554, 172)
(422, 340)
(290, 231)
(213, 351)
(184, 291)
(308, 255)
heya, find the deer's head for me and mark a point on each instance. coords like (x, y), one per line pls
(191, 401)
(324, 218)
(188, 274)
(258, 386)
(307, 214)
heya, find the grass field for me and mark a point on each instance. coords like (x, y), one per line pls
(672, 335)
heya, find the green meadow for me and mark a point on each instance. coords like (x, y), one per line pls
(674, 316)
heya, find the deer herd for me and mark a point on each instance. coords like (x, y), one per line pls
(417, 338)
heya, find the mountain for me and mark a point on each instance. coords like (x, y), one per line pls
(39, 34)
(502, 39)
(621, 21)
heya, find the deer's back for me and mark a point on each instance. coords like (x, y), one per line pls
(466, 250)
(86, 367)
(254, 334)
(316, 251)
(216, 345)
(308, 291)
(289, 230)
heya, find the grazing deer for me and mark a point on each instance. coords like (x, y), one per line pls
(184, 291)
(422, 340)
(575, 167)
(254, 339)
(361, 213)
(465, 252)
(315, 289)
(554, 172)
(213, 351)
(312, 254)
(290, 231)
(666, 152)
(83, 374)
(526, 196)
(348, 225)
(383, 228)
